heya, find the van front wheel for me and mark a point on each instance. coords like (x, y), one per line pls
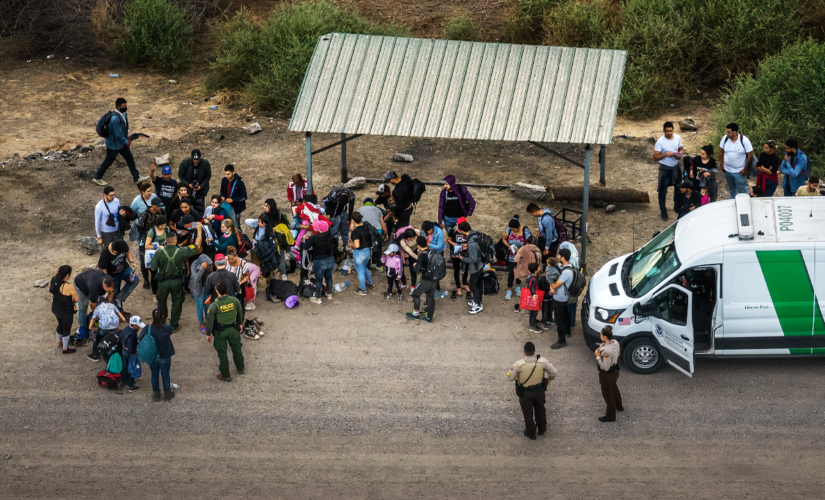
(643, 355)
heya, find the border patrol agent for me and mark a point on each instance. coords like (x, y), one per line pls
(224, 321)
(532, 375)
(607, 359)
(169, 263)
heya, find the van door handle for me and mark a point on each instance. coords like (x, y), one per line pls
(685, 337)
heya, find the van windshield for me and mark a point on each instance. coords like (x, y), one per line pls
(652, 264)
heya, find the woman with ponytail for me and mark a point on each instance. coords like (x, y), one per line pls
(64, 306)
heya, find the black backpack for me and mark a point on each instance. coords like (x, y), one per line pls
(487, 247)
(109, 345)
(436, 266)
(489, 283)
(578, 283)
(377, 246)
(418, 188)
(102, 125)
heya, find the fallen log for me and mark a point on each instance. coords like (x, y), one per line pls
(599, 193)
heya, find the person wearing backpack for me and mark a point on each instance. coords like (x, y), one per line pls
(402, 194)
(161, 355)
(115, 128)
(129, 343)
(169, 264)
(551, 275)
(339, 206)
(432, 268)
(735, 154)
(548, 241)
(361, 244)
(559, 289)
(795, 167)
(475, 262)
(224, 321)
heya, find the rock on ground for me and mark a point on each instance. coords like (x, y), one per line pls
(253, 128)
(356, 183)
(530, 192)
(89, 243)
(163, 160)
(688, 125)
(402, 157)
(610, 209)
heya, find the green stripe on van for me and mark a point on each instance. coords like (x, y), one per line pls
(792, 294)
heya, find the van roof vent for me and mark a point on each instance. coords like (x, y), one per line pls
(744, 218)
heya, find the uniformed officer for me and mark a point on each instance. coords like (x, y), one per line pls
(224, 321)
(169, 263)
(607, 359)
(529, 375)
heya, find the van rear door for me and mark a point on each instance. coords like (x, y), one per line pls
(673, 326)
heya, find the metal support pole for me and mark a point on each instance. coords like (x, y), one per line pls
(308, 139)
(343, 157)
(602, 161)
(585, 207)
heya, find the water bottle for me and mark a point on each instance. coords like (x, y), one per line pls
(340, 287)
(174, 386)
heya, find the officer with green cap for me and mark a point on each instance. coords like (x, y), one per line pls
(224, 321)
(169, 264)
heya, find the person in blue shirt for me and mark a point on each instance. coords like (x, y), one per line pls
(435, 235)
(118, 143)
(793, 166)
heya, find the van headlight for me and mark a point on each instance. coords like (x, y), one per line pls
(607, 315)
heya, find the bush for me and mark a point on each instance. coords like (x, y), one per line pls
(578, 24)
(785, 99)
(460, 27)
(157, 33)
(525, 23)
(267, 61)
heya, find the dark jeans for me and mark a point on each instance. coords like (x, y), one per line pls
(111, 154)
(425, 287)
(144, 271)
(511, 274)
(610, 392)
(403, 218)
(124, 287)
(475, 286)
(413, 275)
(532, 407)
(323, 271)
(533, 315)
(459, 274)
(562, 315)
(665, 181)
(770, 188)
(553, 250)
(161, 368)
(547, 310)
(390, 281)
(127, 379)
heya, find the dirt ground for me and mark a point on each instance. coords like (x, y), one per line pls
(348, 399)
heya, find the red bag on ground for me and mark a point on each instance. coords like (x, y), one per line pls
(249, 293)
(526, 301)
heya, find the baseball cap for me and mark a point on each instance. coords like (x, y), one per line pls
(135, 320)
(382, 189)
(686, 185)
(220, 259)
(156, 202)
(393, 248)
(390, 175)
(196, 154)
(166, 170)
(187, 219)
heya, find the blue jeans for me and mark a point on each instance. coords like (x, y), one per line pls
(161, 368)
(82, 308)
(123, 279)
(665, 181)
(737, 184)
(111, 154)
(127, 379)
(340, 227)
(361, 257)
(449, 223)
(199, 307)
(323, 270)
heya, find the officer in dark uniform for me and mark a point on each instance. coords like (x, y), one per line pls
(169, 264)
(224, 321)
(607, 359)
(529, 375)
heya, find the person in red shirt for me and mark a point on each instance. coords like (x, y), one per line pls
(297, 190)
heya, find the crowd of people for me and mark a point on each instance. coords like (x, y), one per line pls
(694, 177)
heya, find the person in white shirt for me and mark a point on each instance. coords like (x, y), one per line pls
(735, 153)
(106, 212)
(668, 152)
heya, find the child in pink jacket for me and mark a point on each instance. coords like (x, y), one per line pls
(392, 261)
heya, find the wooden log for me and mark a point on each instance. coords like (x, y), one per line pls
(599, 193)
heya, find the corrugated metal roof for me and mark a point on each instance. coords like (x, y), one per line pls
(381, 85)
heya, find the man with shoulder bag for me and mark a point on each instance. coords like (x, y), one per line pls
(532, 375)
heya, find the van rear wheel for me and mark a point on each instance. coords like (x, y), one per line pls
(643, 355)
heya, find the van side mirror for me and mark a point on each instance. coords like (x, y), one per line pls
(643, 310)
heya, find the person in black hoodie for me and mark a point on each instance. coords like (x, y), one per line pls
(195, 173)
(162, 334)
(233, 190)
(402, 193)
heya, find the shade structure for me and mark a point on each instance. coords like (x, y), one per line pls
(417, 87)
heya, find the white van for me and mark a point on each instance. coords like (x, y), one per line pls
(733, 278)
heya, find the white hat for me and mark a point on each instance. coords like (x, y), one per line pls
(135, 320)
(393, 248)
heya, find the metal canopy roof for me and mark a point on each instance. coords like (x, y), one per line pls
(381, 85)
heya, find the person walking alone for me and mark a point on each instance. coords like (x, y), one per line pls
(224, 321)
(529, 375)
(607, 359)
(118, 143)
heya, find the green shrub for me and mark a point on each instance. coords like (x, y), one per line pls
(267, 61)
(460, 27)
(786, 98)
(525, 23)
(157, 33)
(578, 24)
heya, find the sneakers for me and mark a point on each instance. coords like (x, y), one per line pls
(284, 277)
(476, 308)
(558, 345)
(535, 329)
(508, 295)
(454, 296)
(411, 315)
(360, 292)
(388, 295)
(371, 285)
(426, 318)
(100, 182)
(400, 297)
(69, 350)
(142, 178)
(315, 300)
(225, 379)
(329, 296)
(133, 388)
(518, 291)
(544, 326)
(249, 306)
(93, 357)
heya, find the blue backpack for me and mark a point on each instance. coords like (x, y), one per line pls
(148, 348)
